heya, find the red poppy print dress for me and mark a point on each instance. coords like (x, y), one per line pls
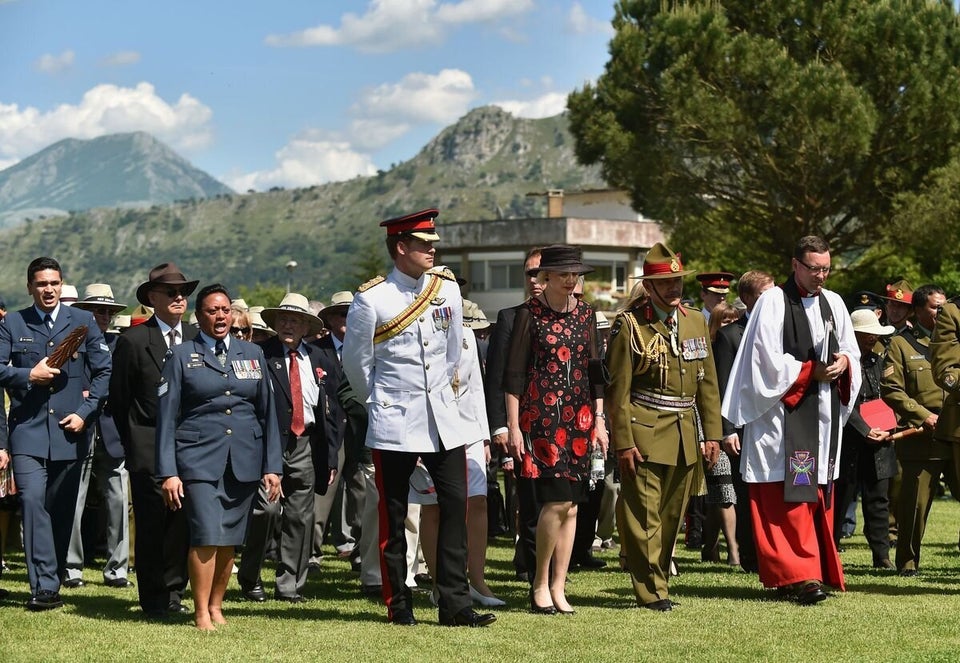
(548, 370)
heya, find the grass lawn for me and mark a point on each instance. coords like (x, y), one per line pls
(724, 615)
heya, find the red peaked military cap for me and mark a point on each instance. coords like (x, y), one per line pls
(718, 282)
(419, 224)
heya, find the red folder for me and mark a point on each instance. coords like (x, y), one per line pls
(878, 414)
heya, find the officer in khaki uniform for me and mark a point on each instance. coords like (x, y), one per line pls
(664, 408)
(945, 364)
(909, 388)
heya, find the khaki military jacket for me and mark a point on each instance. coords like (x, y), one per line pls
(908, 387)
(945, 365)
(642, 361)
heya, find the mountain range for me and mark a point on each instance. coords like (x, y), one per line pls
(481, 167)
(128, 170)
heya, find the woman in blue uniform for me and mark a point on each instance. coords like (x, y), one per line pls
(217, 438)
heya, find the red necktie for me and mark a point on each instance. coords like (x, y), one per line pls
(296, 422)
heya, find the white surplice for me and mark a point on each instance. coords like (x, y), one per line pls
(763, 373)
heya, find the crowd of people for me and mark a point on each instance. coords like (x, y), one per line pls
(382, 421)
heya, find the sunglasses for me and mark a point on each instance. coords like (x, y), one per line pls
(172, 293)
(240, 330)
(102, 310)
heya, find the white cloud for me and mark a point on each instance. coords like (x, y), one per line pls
(54, 64)
(420, 97)
(390, 25)
(371, 133)
(307, 160)
(106, 109)
(381, 115)
(121, 59)
(386, 26)
(385, 112)
(547, 105)
(477, 11)
(579, 22)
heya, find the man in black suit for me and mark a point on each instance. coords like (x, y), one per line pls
(525, 557)
(749, 288)
(161, 542)
(355, 452)
(299, 372)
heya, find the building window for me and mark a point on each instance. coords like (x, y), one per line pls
(609, 275)
(486, 275)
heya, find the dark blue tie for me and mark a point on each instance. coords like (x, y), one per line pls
(48, 321)
(221, 352)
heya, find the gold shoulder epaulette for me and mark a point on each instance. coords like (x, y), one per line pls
(443, 273)
(380, 278)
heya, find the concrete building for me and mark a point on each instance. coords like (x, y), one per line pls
(614, 238)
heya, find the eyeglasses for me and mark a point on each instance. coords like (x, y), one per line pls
(101, 310)
(814, 269)
(172, 293)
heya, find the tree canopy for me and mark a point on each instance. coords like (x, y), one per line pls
(745, 125)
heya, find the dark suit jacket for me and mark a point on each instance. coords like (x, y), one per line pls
(35, 412)
(137, 362)
(496, 363)
(324, 437)
(107, 428)
(724, 352)
(208, 414)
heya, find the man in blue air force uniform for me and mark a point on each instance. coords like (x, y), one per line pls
(49, 412)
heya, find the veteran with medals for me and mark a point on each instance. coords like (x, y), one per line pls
(401, 354)
(217, 439)
(664, 410)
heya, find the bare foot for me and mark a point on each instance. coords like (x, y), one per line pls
(216, 616)
(202, 621)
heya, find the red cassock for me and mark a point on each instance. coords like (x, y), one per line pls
(794, 540)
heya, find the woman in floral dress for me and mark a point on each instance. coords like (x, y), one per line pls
(555, 413)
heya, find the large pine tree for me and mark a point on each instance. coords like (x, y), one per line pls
(745, 125)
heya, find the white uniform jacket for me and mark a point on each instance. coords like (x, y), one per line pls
(473, 404)
(406, 381)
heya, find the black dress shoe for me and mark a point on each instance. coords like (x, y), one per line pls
(884, 564)
(255, 593)
(176, 608)
(810, 593)
(372, 591)
(591, 562)
(73, 583)
(663, 605)
(4, 593)
(296, 598)
(541, 609)
(45, 599)
(403, 618)
(118, 583)
(468, 617)
(909, 573)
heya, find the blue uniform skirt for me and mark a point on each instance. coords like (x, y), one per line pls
(217, 511)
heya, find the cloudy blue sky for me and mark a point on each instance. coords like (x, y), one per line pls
(288, 93)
